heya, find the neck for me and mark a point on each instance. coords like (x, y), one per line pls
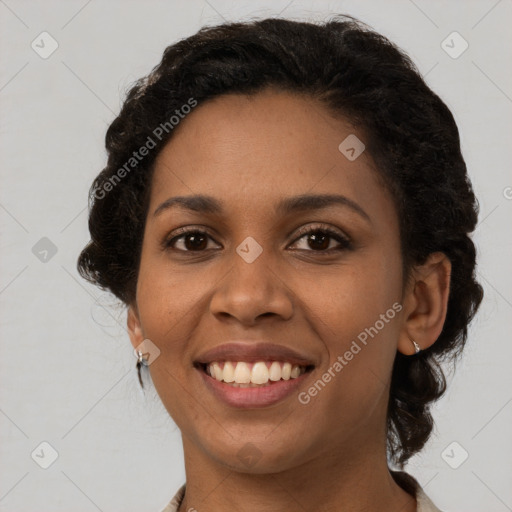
(357, 481)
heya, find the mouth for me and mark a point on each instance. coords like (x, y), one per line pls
(244, 385)
(248, 374)
(242, 374)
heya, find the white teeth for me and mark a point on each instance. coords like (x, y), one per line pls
(275, 371)
(286, 371)
(240, 374)
(217, 371)
(229, 372)
(259, 374)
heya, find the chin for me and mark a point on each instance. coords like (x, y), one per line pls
(261, 454)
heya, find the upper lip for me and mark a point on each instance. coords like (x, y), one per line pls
(252, 352)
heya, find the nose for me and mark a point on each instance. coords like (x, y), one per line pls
(252, 288)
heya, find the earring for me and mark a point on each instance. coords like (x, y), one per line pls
(140, 362)
(417, 348)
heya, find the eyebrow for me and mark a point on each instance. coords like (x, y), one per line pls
(305, 202)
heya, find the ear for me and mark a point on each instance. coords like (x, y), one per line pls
(425, 303)
(134, 326)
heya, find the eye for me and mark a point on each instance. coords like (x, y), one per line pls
(320, 238)
(196, 240)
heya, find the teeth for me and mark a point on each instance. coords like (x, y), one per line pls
(217, 371)
(241, 374)
(228, 372)
(275, 371)
(259, 374)
(286, 371)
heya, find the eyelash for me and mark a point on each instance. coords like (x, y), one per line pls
(345, 243)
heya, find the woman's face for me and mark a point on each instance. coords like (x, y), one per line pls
(251, 277)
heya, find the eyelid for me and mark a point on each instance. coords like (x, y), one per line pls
(344, 241)
(182, 231)
(304, 230)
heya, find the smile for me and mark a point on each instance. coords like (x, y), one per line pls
(260, 373)
(251, 385)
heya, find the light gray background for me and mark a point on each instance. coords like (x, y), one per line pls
(66, 367)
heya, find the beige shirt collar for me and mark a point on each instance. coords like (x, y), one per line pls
(409, 483)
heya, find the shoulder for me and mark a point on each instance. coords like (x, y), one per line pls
(412, 486)
(406, 481)
(174, 504)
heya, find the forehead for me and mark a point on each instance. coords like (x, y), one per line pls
(270, 124)
(254, 150)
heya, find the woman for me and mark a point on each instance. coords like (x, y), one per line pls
(285, 213)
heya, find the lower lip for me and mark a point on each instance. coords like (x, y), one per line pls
(249, 398)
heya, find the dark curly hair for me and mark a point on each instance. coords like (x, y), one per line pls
(358, 74)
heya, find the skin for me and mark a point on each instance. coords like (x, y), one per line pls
(249, 153)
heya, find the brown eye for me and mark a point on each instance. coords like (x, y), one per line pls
(318, 239)
(192, 241)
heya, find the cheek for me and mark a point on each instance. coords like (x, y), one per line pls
(351, 387)
(169, 303)
(167, 300)
(168, 313)
(355, 297)
(358, 320)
